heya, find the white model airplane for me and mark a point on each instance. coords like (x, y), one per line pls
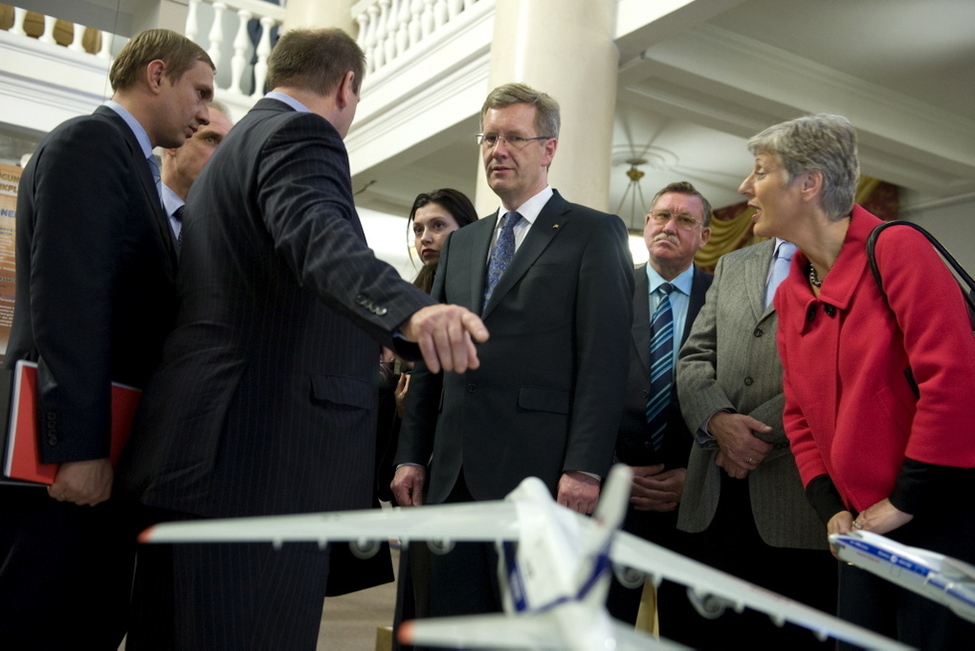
(943, 579)
(554, 566)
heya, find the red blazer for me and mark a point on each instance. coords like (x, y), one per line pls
(850, 410)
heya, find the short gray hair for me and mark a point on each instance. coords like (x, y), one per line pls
(822, 143)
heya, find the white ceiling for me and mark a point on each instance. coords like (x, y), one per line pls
(902, 70)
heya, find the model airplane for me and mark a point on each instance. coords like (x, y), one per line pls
(943, 579)
(554, 567)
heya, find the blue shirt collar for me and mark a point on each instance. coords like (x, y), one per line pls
(137, 129)
(682, 282)
(289, 100)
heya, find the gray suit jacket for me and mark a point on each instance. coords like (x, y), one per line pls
(730, 362)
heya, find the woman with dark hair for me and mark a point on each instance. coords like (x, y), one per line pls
(433, 217)
(877, 383)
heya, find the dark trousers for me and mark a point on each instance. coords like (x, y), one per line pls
(947, 527)
(464, 581)
(65, 572)
(732, 544)
(675, 614)
(228, 596)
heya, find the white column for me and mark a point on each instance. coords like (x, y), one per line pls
(564, 48)
(319, 13)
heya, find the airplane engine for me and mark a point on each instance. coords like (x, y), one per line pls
(628, 576)
(708, 606)
(441, 547)
(364, 549)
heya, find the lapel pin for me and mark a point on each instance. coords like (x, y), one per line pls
(555, 225)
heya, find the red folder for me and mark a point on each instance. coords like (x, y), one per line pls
(23, 454)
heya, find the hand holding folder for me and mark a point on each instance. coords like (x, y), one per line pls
(22, 460)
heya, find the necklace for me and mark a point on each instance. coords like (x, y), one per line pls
(813, 277)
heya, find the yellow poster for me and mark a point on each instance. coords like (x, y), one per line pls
(9, 178)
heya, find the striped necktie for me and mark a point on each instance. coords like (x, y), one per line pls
(661, 366)
(501, 256)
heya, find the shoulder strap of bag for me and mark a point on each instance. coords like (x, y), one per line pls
(965, 278)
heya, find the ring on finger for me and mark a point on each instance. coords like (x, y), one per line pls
(857, 525)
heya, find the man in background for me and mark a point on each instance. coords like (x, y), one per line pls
(553, 282)
(96, 270)
(181, 165)
(653, 438)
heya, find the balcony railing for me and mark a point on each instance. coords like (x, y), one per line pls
(389, 28)
(48, 29)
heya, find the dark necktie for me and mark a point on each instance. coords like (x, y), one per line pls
(501, 256)
(661, 366)
(178, 216)
(156, 177)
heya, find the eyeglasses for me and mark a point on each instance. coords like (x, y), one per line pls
(491, 140)
(684, 221)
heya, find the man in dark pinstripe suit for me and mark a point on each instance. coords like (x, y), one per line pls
(265, 401)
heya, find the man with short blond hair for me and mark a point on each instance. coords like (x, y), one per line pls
(96, 273)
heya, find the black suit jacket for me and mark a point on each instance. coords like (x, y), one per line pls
(548, 394)
(266, 398)
(633, 445)
(96, 271)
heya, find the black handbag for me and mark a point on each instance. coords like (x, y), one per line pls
(962, 276)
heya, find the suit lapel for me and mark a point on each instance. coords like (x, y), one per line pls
(478, 259)
(755, 267)
(694, 302)
(641, 317)
(546, 227)
(141, 167)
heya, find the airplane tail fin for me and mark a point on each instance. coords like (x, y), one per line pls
(614, 498)
(594, 574)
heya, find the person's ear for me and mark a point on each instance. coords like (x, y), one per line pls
(811, 184)
(345, 90)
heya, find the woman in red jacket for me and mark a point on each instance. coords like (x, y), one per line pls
(878, 389)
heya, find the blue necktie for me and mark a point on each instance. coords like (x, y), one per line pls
(501, 256)
(780, 269)
(661, 366)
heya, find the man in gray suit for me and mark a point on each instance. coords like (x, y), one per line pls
(265, 400)
(653, 440)
(743, 499)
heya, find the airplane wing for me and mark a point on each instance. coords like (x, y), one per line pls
(718, 589)
(523, 631)
(449, 522)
